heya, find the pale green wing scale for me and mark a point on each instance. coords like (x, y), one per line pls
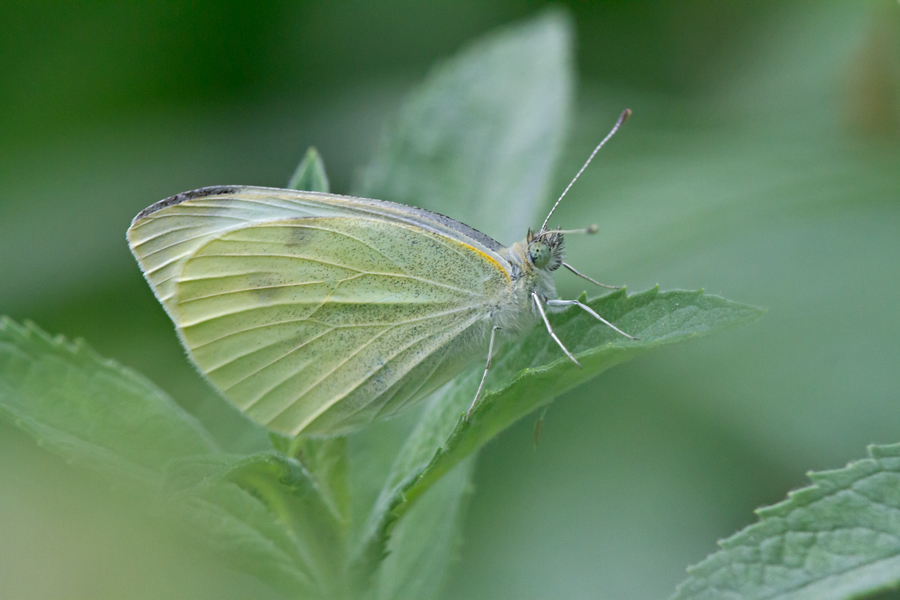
(316, 312)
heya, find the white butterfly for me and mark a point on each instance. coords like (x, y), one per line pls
(319, 313)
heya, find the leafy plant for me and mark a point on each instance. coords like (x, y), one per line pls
(377, 514)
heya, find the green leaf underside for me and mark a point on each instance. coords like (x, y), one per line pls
(90, 410)
(530, 372)
(838, 538)
(310, 175)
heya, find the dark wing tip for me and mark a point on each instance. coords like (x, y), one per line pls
(213, 190)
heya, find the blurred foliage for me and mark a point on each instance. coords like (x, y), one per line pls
(761, 163)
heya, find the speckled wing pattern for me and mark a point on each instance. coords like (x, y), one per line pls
(316, 312)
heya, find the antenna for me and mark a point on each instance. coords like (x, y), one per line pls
(625, 114)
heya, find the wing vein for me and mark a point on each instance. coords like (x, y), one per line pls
(330, 328)
(346, 235)
(250, 289)
(291, 302)
(361, 273)
(267, 255)
(165, 232)
(368, 376)
(317, 381)
(430, 375)
(271, 362)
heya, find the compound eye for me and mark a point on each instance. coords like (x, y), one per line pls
(539, 253)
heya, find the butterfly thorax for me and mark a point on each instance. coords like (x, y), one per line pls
(532, 261)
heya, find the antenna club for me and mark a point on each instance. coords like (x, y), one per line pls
(592, 229)
(625, 114)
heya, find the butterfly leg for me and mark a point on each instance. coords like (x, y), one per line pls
(591, 312)
(594, 281)
(486, 368)
(537, 302)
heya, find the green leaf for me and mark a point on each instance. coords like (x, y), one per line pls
(479, 139)
(531, 372)
(837, 539)
(534, 378)
(416, 564)
(326, 461)
(310, 174)
(90, 410)
(264, 516)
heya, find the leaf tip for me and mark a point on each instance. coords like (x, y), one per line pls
(310, 174)
(887, 451)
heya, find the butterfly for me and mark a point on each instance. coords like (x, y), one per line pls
(318, 313)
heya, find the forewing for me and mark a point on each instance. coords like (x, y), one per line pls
(323, 324)
(166, 234)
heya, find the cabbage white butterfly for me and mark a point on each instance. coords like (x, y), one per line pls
(319, 313)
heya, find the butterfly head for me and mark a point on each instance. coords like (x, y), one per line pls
(545, 249)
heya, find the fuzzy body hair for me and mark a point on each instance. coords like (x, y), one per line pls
(518, 313)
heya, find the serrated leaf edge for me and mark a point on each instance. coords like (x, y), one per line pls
(824, 484)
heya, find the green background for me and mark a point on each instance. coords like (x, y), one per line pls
(762, 163)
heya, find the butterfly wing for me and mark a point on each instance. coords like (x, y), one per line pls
(316, 312)
(163, 235)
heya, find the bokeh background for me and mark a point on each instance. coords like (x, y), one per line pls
(762, 163)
